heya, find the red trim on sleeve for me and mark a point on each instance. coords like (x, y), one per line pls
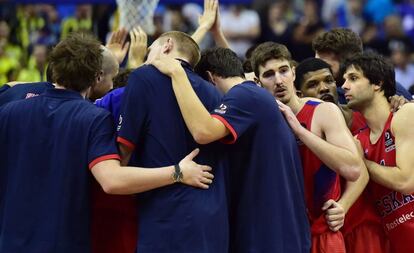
(127, 143)
(227, 140)
(103, 158)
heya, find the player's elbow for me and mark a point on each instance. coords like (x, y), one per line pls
(351, 172)
(405, 187)
(202, 136)
(111, 187)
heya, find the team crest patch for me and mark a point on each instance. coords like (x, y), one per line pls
(221, 110)
(389, 142)
(30, 95)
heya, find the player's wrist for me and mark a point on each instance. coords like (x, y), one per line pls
(177, 174)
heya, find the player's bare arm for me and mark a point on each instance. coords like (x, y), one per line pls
(116, 179)
(203, 127)
(351, 193)
(401, 177)
(338, 151)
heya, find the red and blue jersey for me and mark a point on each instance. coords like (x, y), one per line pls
(175, 218)
(114, 217)
(267, 209)
(321, 183)
(395, 209)
(48, 143)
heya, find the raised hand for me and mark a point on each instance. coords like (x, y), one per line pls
(334, 214)
(194, 174)
(117, 44)
(207, 20)
(138, 48)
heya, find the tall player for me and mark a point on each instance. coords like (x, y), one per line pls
(387, 145)
(267, 210)
(175, 218)
(326, 145)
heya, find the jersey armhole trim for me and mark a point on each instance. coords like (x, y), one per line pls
(126, 142)
(227, 139)
(103, 158)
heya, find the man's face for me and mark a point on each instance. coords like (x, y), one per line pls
(277, 77)
(332, 59)
(320, 84)
(358, 90)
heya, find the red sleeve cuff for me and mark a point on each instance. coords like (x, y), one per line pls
(228, 139)
(127, 143)
(103, 158)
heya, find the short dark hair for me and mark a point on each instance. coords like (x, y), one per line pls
(77, 61)
(121, 79)
(306, 66)
(341, 41)
(221, 62)
(268, 51)
(185, 45)
(375, 68)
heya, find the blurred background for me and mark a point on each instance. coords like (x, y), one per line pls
(29, 29)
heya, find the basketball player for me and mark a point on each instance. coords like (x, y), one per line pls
(386, 144)
(326, 145)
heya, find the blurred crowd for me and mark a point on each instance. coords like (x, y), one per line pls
(27, 32)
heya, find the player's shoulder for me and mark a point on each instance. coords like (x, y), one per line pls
(403, 118)
(327, 113)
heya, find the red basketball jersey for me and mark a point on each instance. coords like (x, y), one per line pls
(396, 209)
(321, 183)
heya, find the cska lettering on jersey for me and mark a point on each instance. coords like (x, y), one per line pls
(392, 201)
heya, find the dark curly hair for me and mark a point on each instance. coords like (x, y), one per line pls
(341, 41)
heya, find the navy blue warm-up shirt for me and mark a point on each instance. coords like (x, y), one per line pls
(267, 210)
(47, 144)
(23, 91)
(176, 218)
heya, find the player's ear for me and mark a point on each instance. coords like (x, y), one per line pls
(168, 46)
(299, 93)
(99, 77)
(210, 77)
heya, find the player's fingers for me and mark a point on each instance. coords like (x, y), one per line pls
(206, 180)
(328, 204)
(208, 175)
(142, 35)
(336, 228)
(132, 38)
(334, 210)
(334, 217)
(335, 223)
(193, 154)
(202, 185)
(215, 5)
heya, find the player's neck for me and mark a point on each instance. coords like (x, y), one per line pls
(296, 104)
(83, 93)
(230, 82)
(377, 113)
